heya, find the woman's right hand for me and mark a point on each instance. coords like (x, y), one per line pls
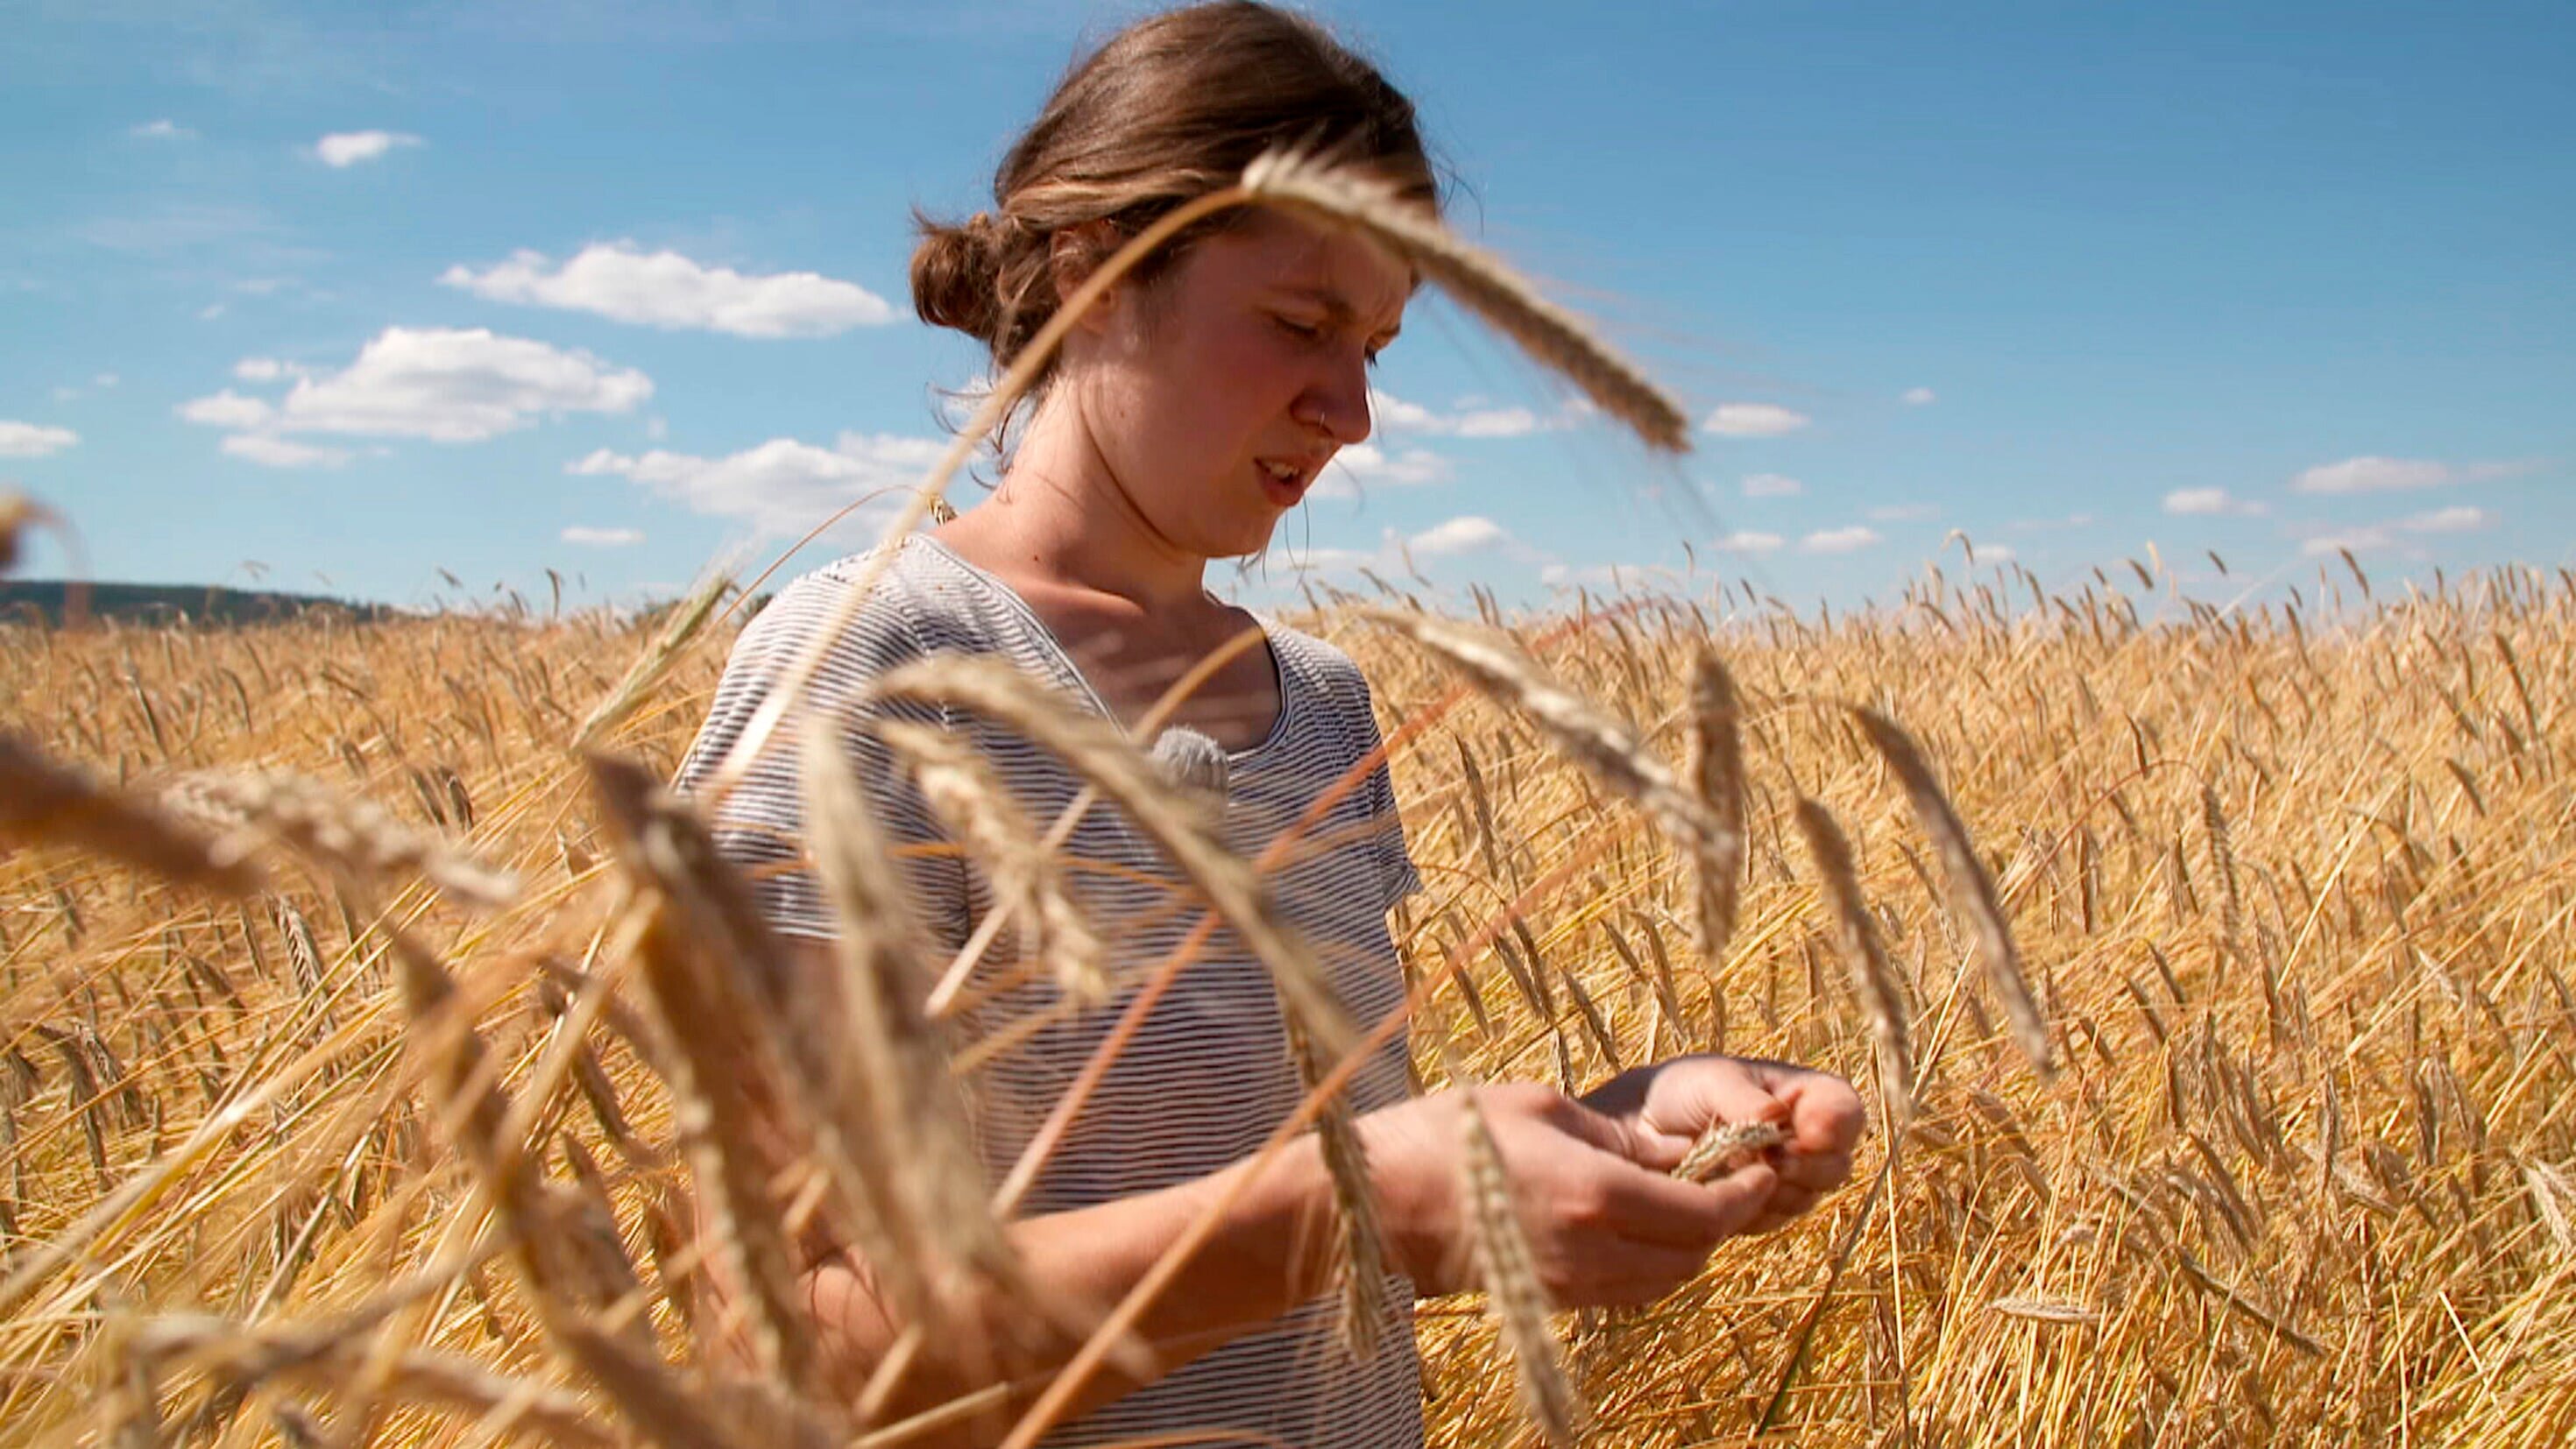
(1605, 1227)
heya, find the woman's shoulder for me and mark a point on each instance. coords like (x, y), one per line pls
(912, 606)
(1323, 669)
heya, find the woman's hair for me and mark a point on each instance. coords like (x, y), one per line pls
(1173, 107)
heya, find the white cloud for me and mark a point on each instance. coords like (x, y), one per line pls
(2377, 536)
(2385, 475)
(445, 385)
(782, 486)
(2450, 520)
(210, 311)
(2358, 540)
(456, 386)
(1915, 397)
(603, 537)
(227, 409)
(1839, 540)
(1366, 463)
(161, 130)
(665, 289)
(1753, 420)
(105, 380)
(1772, 485)
(2211, 501)
(33, 440)
(1468, 534)
(1616, 578)
(342, 149)
(1995, 553)
(1396, 415)
(1752, 543)
(275, 452)
(1899, 512)
(2048, 525)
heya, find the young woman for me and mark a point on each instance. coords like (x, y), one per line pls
(1185, 416)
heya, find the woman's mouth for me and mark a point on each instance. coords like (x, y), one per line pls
(1282, 481)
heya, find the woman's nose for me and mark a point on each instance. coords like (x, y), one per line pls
(1337, 403)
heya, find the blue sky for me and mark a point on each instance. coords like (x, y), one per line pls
(344, 296)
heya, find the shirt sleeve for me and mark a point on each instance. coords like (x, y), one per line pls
(759, 827)
(1397, 877)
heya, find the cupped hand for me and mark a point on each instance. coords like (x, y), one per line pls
(1662, 1109)
(1606, 1223)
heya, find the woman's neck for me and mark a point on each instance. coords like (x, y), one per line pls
(1061, 517)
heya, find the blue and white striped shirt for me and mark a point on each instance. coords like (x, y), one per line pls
(1208, 1077)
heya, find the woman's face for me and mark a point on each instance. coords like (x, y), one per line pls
(1217, 395)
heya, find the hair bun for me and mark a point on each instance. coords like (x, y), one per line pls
(955, 272)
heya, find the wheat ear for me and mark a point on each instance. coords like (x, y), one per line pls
(971, 801)
(43, 802)
(1972, 891)
(690, 955)
(1874, 979)
(1715, 770)
(1601, 744)
(686, 620)
(1480, 281)
(927, 1186)
(1359, 1254)
(355, 839)
(1514, 1296)
(1095, 750)
(1723, 1145)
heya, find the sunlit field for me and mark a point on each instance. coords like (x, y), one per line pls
(2291, 887)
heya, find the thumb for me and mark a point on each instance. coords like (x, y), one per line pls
(1622, 1137)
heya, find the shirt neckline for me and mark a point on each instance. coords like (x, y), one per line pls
(1062, 657)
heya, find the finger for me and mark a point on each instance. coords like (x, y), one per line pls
(1650, 1207)
(1824, 1114)
(1638, 1144)
(1704, 1090)
(1812, 1173)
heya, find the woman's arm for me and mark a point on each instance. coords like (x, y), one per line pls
(1606, 1226)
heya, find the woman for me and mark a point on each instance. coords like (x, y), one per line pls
(1183, 418)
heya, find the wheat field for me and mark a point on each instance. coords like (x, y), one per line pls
(2292, 886)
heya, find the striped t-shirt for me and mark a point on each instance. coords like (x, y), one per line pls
(1208, 1077)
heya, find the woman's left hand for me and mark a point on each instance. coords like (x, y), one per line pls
(1669, 1104)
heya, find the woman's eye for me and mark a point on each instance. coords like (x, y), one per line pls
(1296, 328)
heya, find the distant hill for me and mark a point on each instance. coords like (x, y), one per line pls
(170, 603)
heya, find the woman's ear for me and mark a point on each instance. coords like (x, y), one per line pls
(1073, 253)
